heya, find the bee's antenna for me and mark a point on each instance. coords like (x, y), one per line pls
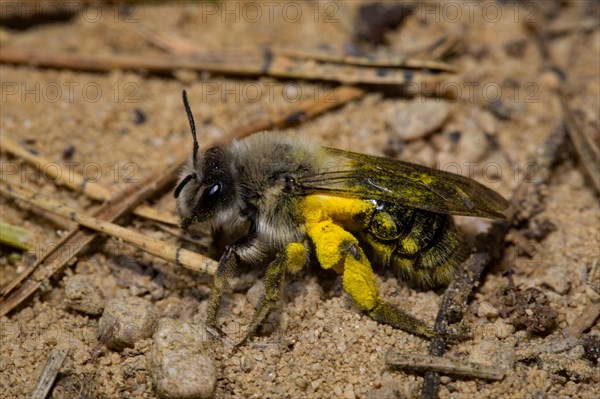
(192, 126)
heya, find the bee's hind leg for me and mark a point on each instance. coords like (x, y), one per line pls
(359, 281)
(291, 259)
(338, 249)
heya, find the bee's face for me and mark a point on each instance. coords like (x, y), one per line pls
(207, 188)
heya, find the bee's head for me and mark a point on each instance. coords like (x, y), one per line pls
(207, 185)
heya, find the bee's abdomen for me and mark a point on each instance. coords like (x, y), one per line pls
(424, 246)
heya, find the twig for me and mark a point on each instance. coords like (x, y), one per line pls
(49, 373)
(306, 109)
(147, 212)
(71, 239)
(489, 247)
(443, 365)
(593, 278)
(561, 27)
(163, 250)
(334, 98)
(74, 180)
(585, 320)
(388, 61)
(586, 148)
(177, 45)
(233, 61)
(381, 60)
(14, 236)
(178, 234)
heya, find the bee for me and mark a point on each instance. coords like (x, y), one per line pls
(285, 200)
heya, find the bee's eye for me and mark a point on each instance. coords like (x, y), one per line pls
(214, 190)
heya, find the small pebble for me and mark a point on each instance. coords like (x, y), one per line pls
(389, 390)
(474, 145)
(180, 368)
(255, 293)
(320, 314)
(493, 353)
(549, 80)
(503, 330)
(486, 309)
(315, 384)
(139, 116)
(576, 352)
(501, 110)
(337, 390)
(83, 296)
(25, 315)
(420, 118)
(68, 152)
(270, 374)
(349, 392)
(486, 122)
(561, 364)
(302, 383)
(245, 364)
(556, 278)
(130, 320)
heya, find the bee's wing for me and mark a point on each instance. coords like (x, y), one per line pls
(371, 177)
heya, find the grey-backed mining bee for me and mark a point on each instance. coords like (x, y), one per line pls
(285, 200)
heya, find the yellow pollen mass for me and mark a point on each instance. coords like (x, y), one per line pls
(296, 256)
(316, 208)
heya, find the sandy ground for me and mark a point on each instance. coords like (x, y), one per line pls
(125, 126)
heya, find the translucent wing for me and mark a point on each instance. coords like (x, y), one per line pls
(371, 177)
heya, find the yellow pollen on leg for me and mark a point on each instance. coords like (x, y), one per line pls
(295, 254)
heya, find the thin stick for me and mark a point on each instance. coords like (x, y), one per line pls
(306, 109)
(73, 179)
(489, 247)
(388, 61)
(586, 319)
(147, 212)
(234, 61)
(170, 253)
(176, 44)
(334, 98)
(586, 148)
(49, 373)
(14, 236)
(443, 365)
(73, 237)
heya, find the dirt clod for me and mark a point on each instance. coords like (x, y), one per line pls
(130, 320)
(81, 295)
(527, 310)
(179, 365)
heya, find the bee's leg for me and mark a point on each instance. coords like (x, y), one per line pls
(227, 265)
(225, 269)
(359, 281)
(291, 259)
(338, 249)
